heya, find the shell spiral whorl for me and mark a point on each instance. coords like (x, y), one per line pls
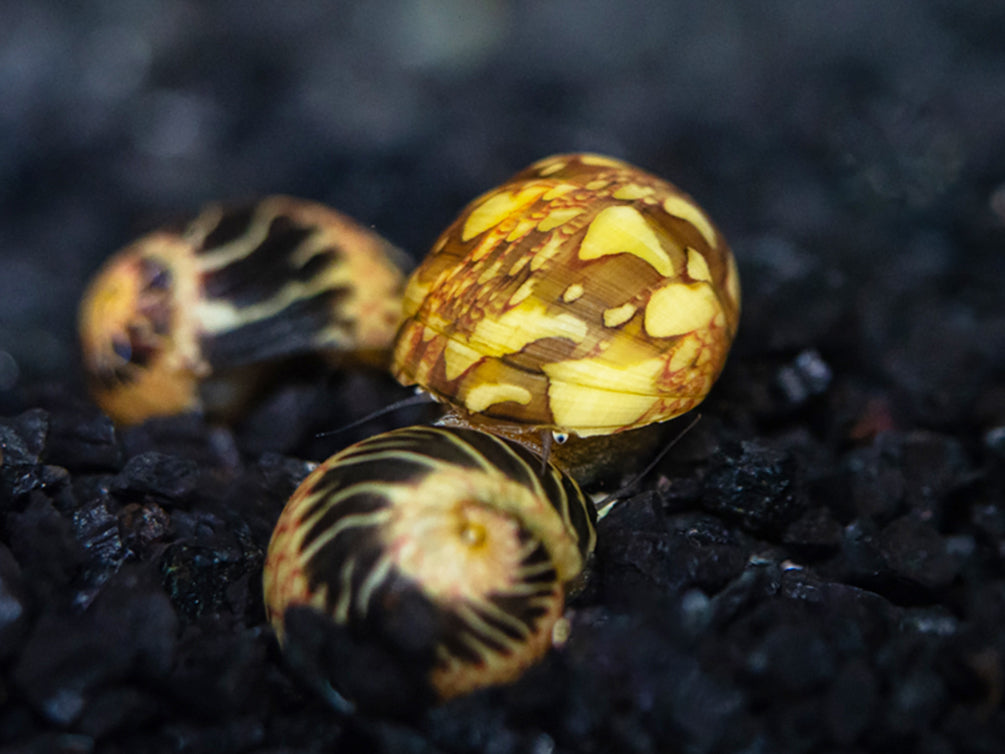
(448, 551)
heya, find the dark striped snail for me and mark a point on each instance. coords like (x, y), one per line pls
(432, 562)
(178, 321)
(584, 296)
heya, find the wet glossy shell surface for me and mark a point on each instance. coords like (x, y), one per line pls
(583, 295)
(458, 521)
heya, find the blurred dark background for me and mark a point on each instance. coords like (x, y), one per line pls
(856, 149)
(816, 567)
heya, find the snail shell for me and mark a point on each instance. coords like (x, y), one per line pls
(584, 296)
(445, 552)
(238, 287)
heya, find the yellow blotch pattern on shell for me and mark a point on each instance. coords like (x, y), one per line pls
(619, 315)
(676, 309)
(600, 297)
(622, 230)
(482, 396)
(573, 292)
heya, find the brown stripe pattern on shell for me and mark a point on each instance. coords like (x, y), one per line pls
(584, 295)
(462, 520)
(238, 286)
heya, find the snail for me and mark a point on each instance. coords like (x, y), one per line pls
(180, 321)
(583, 297)
(425, 563)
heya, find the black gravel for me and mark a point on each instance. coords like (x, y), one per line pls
(818, 566)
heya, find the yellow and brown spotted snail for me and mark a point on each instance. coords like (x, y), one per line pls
(584, 296)
(177, 321)
(425, 563)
